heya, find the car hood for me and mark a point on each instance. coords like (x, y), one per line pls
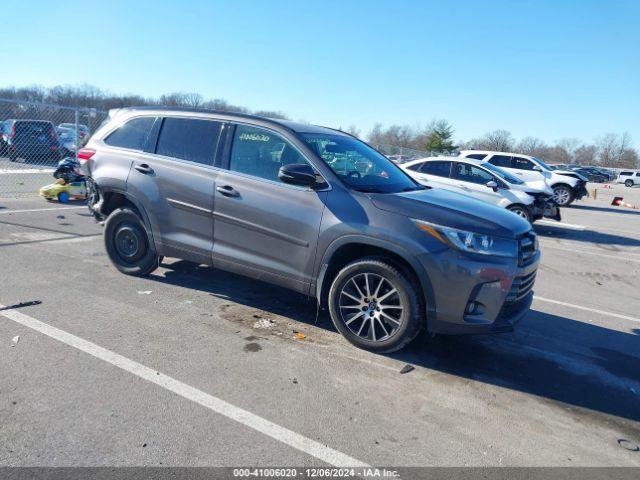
(571, 173)
(453, 210)
(540, 186)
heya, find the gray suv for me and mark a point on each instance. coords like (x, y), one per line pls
(311, 209)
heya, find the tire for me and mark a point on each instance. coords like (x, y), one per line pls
(128, 244)
(563, 195)
(63, 197)
(521, 211)
(628, 183)
(405, 306)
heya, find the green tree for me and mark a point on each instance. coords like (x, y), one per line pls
(440, 138)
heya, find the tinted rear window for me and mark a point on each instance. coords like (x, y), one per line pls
(501, 161)
(189, 139)
(626, 173)
(477, 156)
(132, 135)
(33, 128)
(439, 169)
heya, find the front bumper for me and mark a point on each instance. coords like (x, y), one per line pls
(545, 207)
(580, 190)
(473, 295)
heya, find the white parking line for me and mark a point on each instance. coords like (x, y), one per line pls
(587, 309)
(561, 224)
(282, 434)
(5, 212)
(6, 171)
(623, 255)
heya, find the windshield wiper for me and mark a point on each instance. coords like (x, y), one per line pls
(367, 189)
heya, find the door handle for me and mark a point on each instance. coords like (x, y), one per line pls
(228, 191)
(144, 168)
(519, 173)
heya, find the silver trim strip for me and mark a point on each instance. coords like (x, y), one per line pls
(188, 206)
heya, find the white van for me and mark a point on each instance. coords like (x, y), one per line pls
(485, 182)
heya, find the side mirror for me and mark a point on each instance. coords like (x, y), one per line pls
(493, 185)
(297, 174)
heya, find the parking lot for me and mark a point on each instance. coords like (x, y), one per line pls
(197, 367)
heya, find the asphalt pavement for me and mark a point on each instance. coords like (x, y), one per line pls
(234, 385)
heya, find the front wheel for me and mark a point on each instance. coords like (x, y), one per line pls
(521, 211)
(563, 195)
(628, 183)
(375, 305)
(128, 245)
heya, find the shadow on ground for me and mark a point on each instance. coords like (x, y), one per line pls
(587, 236)
(549, 356)
(621, 210)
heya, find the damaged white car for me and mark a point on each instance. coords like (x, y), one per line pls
(486, 182)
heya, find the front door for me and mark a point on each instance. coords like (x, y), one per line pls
(473, 180)
(262, 227)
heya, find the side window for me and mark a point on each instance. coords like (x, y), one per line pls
(416, 167)
(471, 173)
(189, 139)
(261, 153)
(638, 174)
(439, 169)
(522, 163)
(501, 161)
(132, 134)
(477, 156)
(626, 173)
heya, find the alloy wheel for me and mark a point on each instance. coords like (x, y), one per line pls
(371, 307)
(561, 196)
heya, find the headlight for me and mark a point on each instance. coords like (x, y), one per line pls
(469, 241)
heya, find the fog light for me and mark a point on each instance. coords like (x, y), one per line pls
(474, 308)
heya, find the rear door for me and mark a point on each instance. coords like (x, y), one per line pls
(435, 173)
(473, 180)
(263, 227)
(175, 179)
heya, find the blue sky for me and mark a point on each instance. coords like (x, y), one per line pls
(549, 69)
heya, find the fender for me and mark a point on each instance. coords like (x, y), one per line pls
(420, 271)
(141, 210)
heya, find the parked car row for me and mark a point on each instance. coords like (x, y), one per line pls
(39, 140)
(317, 211)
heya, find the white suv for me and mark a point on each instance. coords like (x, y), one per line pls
(629, 177)
(485, 182)
(567, 185)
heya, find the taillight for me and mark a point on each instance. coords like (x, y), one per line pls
(84, 154)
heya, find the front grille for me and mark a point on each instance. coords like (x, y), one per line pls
(526, 248)
(520, 288)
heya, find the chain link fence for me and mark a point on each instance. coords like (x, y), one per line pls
(400, 154)
(34, 137)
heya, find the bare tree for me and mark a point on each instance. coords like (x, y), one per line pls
(532, 146)
(498, 140)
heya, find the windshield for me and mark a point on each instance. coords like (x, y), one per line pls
(502, 174)
(542, 164)
(358, 165)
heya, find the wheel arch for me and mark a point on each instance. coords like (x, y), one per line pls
(347, 249)
(113, 199)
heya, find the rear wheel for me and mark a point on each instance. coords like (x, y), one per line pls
(563, 195)
(63, 197)
(375, 305)
(628, 183)
(521, 211)
(128, 245)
